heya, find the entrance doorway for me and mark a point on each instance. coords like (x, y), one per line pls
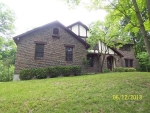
(110, 62)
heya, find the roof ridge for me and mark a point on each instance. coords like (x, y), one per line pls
(56, 21)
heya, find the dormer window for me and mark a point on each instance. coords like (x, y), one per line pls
(126, 48)
(56, 33)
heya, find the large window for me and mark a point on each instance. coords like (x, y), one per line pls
(69, 53)
(128, 62)
(39, 51)
(90, 59)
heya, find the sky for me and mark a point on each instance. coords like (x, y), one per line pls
(34, 13)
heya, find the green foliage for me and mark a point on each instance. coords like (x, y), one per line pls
(72, 3)
(76, 70)
(52, 72)
(7, 46)
(119, 69)
(105, 32)
(6, 73)
(106, 70)
(65, 71)
(7, 59)
(122, 15)
(144, 61)
(28, 74)
(41, 73)
(7, 18)
(130, 70)
(122, 69)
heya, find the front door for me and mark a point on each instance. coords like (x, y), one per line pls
(110, 62)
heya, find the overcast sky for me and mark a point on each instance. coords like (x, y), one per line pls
(34, 13)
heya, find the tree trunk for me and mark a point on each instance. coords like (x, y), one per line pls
(142, 28)
(102, 63)
(99, 63)
(148, 7)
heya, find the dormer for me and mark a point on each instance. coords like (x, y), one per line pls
(127, 47)
(79, 29)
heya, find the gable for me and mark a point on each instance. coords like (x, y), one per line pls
(55, 23)
(103, 47)
(78, 23)
(80, 30)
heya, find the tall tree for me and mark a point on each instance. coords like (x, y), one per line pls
(142, 28)
(148, 7)
(130, 9)
(6, 21)
(102, 36)
(7, 45)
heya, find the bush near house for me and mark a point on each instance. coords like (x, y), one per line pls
(106, 70)
(121, 69)
(52, 72)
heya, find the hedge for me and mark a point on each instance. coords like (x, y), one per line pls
(41, 73)
(122, 69)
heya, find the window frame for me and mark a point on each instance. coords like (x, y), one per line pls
(55, 32)
(128, 62)
(37, 51)
(66, 54)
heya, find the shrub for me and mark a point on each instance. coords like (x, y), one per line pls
(121, 69)
(106, 70)
(131, 69)
(66, 71)
(27, 74)
(54, 72)
(144, 61)
(41, 73)
(76, 70)
(6, 73)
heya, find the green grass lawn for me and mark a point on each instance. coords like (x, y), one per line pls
(80, 94)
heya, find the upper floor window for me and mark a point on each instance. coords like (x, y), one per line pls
(126, 48)
(39, 51)
(56, 31)
(128, 62)
(69, 53)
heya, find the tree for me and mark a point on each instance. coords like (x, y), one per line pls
(143, 60)
(129, 9)
(142, 28)
(104, 34)
(7, 45)
(148, 7)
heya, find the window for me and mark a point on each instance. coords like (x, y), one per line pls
(131, 63)
(69, 53)
(39, 51)
(55, 31)
(128, 62)
(90, 59)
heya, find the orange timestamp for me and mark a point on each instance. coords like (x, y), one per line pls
(127, 97)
